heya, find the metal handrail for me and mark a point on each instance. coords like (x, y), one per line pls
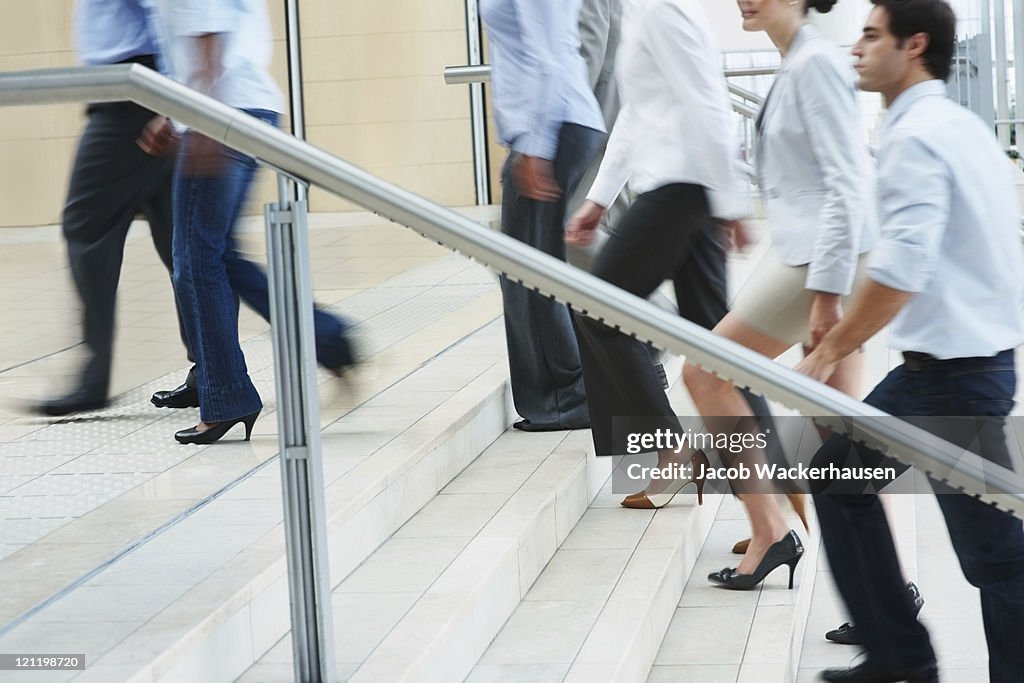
(519, 262)
(461, 75)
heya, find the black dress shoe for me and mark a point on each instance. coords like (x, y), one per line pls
(527, 426)
(75, 402)
(216, 431)
(847, 634)
(185, 396)
(866, 673)
(341, 357)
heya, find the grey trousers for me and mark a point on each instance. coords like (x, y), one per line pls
(112, 179)
(544, 361)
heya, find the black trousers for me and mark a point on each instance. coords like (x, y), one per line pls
(111, 181)
(667, 234)
(544, 364)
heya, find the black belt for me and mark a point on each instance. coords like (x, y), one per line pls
(915, 360)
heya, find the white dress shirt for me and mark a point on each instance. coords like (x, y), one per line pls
(814, 167)
(948, 214)
(246, 48)
(675, 125)
(538, 76)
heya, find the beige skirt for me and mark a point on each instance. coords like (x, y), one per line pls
(775, 301)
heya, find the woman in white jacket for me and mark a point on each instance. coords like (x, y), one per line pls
(816, 176)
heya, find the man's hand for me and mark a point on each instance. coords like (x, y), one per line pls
(158, 138)
(535, 179)
(819, 365)
(736, 235)
(580, 230)
(826, 312)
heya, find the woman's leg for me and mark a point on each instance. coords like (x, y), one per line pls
(205, 205)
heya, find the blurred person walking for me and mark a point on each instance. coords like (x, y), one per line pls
(113, 179)
(222, 48)
(946, 275)
(669, 144)
(548, 118)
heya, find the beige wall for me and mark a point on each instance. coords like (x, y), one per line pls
(375, 92)
(373, 86)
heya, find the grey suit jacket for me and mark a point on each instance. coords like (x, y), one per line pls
(600, 30)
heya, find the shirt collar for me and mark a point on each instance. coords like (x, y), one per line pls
(804, 35)
(908, 97)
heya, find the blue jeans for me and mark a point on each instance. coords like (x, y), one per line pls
(210, 277)
(988, 543)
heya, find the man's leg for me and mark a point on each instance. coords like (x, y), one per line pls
(861, 550)
(109, 180)
(546, 376)
(989, 544)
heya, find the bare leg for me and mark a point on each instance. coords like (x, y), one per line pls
(717, 398)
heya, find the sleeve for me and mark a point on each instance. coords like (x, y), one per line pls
(202, 17)
(615, 168)
(691, 63)
(912, 216)
(595, 25)
(540, 22)
(828, 108)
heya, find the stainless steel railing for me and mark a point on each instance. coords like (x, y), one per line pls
(519, 262)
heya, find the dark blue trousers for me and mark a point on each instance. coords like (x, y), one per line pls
(988, 543)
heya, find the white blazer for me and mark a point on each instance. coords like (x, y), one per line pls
(813, 164)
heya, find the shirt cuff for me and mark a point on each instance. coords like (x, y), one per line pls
(202, 22)
(900, 266)
(536, 145)
(830, 282)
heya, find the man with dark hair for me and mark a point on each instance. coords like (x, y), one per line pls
(946, 274)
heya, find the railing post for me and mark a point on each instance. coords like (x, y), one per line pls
(298, 410)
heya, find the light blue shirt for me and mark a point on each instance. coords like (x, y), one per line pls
(538, 76)
(111, 31)
(246, 48)
(948, 214)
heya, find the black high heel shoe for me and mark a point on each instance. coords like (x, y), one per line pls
(217, 431)
(787, 551)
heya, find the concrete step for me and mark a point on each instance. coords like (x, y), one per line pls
(597, 610)
(426, 604)
(206, 597)
(737, 636)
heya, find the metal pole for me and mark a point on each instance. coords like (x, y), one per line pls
(1018, 63)
(296, 102)
(481, 165)
(1002, 101)
(305, 518)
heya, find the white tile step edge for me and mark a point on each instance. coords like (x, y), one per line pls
(246, 601)
(450, 626)
(624, 641)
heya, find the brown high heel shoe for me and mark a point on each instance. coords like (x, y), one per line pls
(796, 500)
(655, 501)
